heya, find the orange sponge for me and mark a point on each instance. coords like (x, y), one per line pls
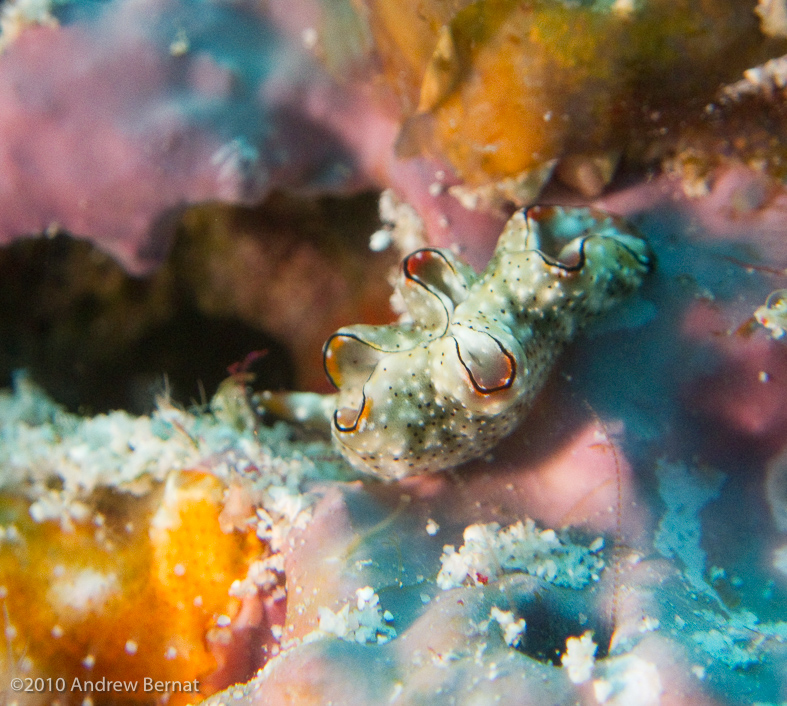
(134, 596)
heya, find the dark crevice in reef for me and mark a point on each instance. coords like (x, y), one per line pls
(185, 354)
(96, 339)
(551, 620)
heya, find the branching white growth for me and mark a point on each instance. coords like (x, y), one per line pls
(40, 441)
(489, 551)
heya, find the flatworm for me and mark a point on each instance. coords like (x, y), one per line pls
(461, 368)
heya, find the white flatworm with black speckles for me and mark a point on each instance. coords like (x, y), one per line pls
(444, 386)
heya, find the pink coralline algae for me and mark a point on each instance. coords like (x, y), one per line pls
(119, 115)
(115, 120)
(116, 116)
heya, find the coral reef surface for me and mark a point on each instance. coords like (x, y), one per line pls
(589, 557)
(630, 583)
(114, 116)
(143, 548)
(625, 544)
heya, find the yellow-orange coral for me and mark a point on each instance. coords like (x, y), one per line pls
(525, 115)
(501, 87)
(139, 589)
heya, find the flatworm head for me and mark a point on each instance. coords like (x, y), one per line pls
(462, 367)
(433, 281)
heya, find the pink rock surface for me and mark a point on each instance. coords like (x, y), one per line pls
(108, 135)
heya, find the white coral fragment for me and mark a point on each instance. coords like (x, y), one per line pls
(489, 551)
(579, 657)
(364, 623)
(512, 629)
